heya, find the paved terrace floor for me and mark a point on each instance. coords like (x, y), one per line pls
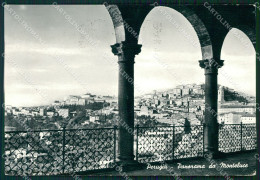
(242, 158)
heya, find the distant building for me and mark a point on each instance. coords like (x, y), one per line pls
(230, 118)
(63, 112)
(35, 113)
(157, 102)
(144, 111)
(221, 95)
(186, 91)
(164, 102)
(236, 108)
(197, 101)
(178, 102)
(180, 86)
(43, 112)
(8, 110)
(193, 108)
(248, 118)
(115, 111)
(25, 112)
(72, 100)
(198, 86)
(16, 112)
(191, 86)
(148, 96)
(73, 114)
(93, 118)
(50, 113)
(198, 91)
(99, 100)
(177, 92)
(110, 99)
(56, 103)
(81, 102)
(87, 95)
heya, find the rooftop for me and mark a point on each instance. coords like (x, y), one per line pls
(241, 113)
(236, 106)
(249, 115)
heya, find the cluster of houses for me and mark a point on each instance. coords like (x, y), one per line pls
(234, 112)
(172, 106)
(61, 108)
(187, 101)
(84, 99)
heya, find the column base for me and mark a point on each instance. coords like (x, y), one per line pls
(129, 165)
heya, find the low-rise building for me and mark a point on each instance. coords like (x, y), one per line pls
(186, 91)
(229, 118)
(248, 118)
(50, 113)
(93, 118)
(177, 92)
(43, 112)
(63, 112)
(236, 108)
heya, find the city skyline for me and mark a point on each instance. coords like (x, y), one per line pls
(154, 91)
(50, 80)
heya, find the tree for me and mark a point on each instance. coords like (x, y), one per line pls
(187, 128)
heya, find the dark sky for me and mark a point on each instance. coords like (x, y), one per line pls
(34, 75)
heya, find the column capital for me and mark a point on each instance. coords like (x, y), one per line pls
(129, 49)
(211, 66)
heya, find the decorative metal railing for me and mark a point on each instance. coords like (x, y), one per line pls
(154, 143)
(52, 152)
(237, 137)
(168, 143)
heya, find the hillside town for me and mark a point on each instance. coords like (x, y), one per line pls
(182, 105)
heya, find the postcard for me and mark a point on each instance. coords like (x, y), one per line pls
(116, 89)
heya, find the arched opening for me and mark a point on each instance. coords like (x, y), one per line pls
(70, 56)
(237, 93)
(239, 69)
(169, 43)
(169, 80)
(65, 53)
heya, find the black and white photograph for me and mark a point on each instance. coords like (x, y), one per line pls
(129, 89)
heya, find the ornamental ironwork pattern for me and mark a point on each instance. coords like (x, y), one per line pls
(249, 137)
(89, 150)
(168, 143)
(33, 153)
(188, 142)
(55, 152)
(52, 152)
(154, 144)
(229, 139)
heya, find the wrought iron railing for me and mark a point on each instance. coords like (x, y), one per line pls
(168, 143)
(52, 152)
(237, 137)
(64, 151)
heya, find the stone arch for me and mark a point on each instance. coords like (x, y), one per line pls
(118, 22)
(195, 21)
(199, 27)
(250, 32)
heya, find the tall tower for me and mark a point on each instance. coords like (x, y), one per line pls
(221, 95)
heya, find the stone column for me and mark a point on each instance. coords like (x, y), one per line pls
(126, 52)
(211, 105)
